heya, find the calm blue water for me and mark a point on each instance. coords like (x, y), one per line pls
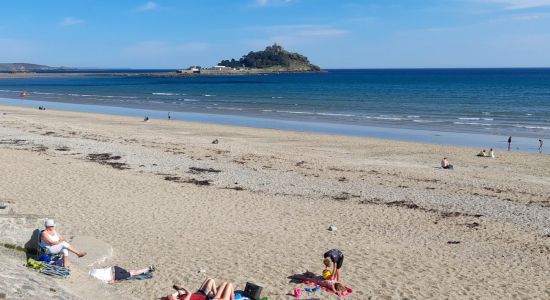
(487, 101)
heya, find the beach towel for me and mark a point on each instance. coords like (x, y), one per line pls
(182, 296)
(48, 269)
(143, 276)
(55, 270)
(344, 294)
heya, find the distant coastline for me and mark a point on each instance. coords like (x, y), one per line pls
(140, 73)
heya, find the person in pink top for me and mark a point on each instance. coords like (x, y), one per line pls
(54, 243)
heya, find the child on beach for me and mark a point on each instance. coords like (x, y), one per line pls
(335, 258)
(445, 164)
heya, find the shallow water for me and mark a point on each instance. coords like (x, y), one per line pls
(499, 143)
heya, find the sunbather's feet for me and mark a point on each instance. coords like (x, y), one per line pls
(80, 254)
(152, 268)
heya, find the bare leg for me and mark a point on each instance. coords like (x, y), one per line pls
(225, 292)
(209, 286)
(77, 252)
(65, 261)
(337, 275)
(138, 272)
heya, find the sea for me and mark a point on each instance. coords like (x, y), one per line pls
(453, 104)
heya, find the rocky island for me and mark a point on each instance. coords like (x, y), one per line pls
(275, 59)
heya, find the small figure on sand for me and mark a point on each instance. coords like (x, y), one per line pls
(54, 243)
(540, 145)
(509, 142)
(116, 273)
(41, 108)
(169, 117)
(334, 258)
(146, 119)
(445, 164)
(208, 290)
(483, 153)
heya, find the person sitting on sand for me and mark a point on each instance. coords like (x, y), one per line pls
(445, 164)
(491, 153)
(116, 273)
(54, 243)
(330, 284)
(336, 258)
(207, 291)
(146, 119)
(483, 153)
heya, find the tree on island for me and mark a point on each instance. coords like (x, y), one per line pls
(275, 57)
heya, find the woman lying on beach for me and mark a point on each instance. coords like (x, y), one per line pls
(331, 285)
(54, 243)
(207, 291)
(116, 273)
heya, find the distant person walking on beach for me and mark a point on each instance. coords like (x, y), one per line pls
(336, 258)
(509, 142)
(169, 117)
(540, 145)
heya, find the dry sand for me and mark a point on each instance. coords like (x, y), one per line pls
(257, 205)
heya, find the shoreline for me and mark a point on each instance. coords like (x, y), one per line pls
(256, 206)
(461, 139)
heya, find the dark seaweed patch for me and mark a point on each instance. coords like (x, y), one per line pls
(107, 159)
(195, 170)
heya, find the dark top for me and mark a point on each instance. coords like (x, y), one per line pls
(334, 254)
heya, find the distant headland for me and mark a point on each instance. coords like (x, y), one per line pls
(26, 68)
(274, 59)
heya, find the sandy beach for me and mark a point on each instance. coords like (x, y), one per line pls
(256, 206)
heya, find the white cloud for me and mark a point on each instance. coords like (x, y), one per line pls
(317, 31)
(272, 2)
(148, 6)
(70, 21)
(519, 4)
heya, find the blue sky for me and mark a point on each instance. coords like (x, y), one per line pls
(332, 33)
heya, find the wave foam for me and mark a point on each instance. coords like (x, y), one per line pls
(472, 123)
